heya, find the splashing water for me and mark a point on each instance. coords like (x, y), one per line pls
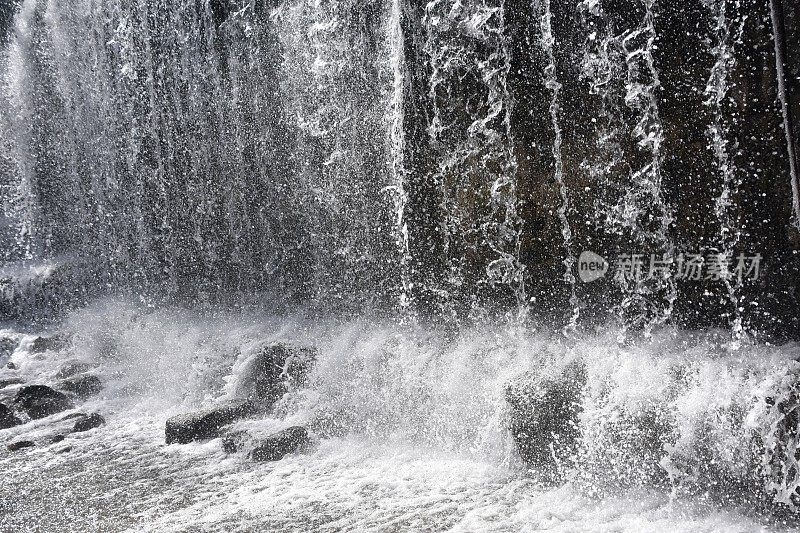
(389, 404)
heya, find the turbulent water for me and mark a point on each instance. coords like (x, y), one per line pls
(468, 207)
(410, 430)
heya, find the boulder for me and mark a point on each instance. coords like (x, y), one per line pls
(39, 401)
(7, 347)
(278, 445)
(272, 371)
(55, 343)
(544, 417)
(205, 424)
(92, 421)
(83, 386)
(12, 366)
(20, 444)
(7, 418)
(72, 368)
(235, 441)
(6, 382)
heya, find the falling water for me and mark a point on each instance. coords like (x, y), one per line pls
(718, 133)
(602, 66)
(338, 93)
(645, 208)
(358, 156)
(471, 130)
(397, 145)
(552, 84)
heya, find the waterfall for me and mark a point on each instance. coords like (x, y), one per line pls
(383, 156)
(602, 67)
(173, 134)
(471, 130)
(718, 134)
(553, 85)
(397, 146)
(645, 208)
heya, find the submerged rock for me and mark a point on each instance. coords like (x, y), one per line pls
(72, 415)
(544, 417)
(83, 386)
(6, 382)
(205, 424)
(20, 444)
(7, 417)
(92, 421)
(56, 439)
(7, 347)
(235, 441)
(39, 401)
(279, 445)
(269, 373)
(72, 368)
(54, 343)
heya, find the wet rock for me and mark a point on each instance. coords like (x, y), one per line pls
(7, 382)
(12, 366)
(72, 368)
(278, 445)
(20, 444)
(83, 386)
(544, 417)
(39, 401)
(7, 418)
(235, 441)
(73, 415)
(92, 421)
(56, 439)
(270, 372)
(56, 343)
(205, 424)
(7, 347)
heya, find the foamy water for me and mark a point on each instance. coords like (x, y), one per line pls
(410, 431)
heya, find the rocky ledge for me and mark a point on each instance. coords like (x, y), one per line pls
(264, 377)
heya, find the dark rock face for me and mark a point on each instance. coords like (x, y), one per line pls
(270, 373)
(39, 401)
(20, 444)
(92, 421)
(544, 418)
(83, 386)
(7, 418)
(72, 368)
(49, 344)
(278, 445)
(206, 424)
